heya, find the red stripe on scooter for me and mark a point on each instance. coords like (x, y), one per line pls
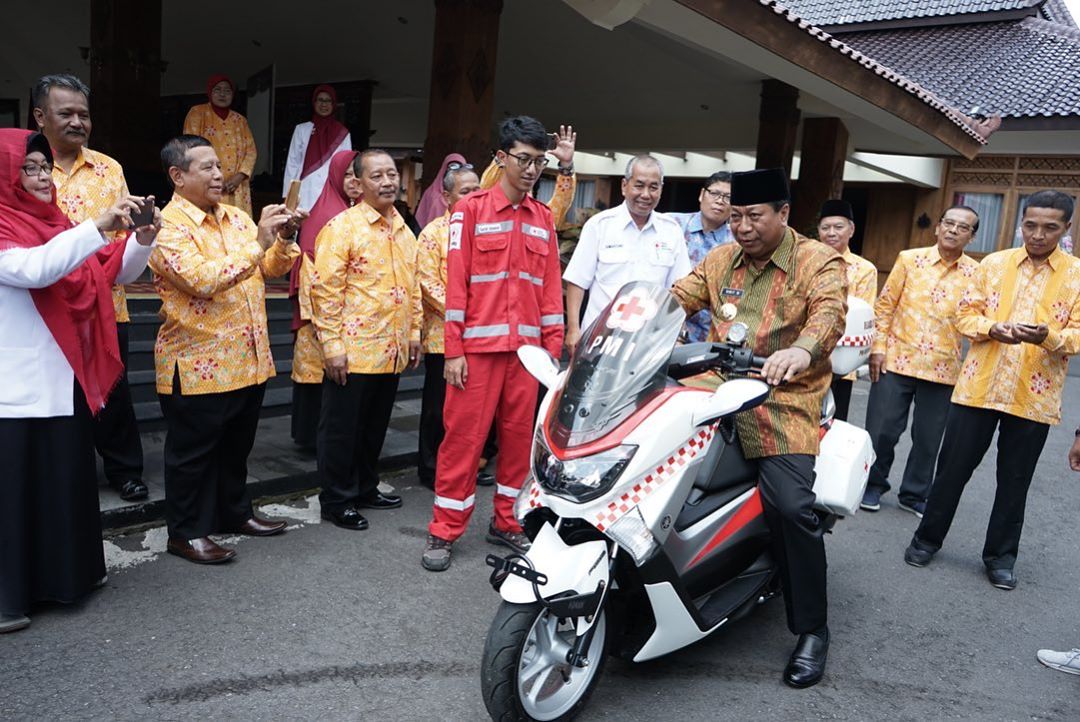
(749, 511)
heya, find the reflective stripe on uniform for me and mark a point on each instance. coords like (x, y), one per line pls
(483, 229)
(530, 278)
(455, 316)
(529, 331)
(502, 329)
(447, 503)
(488, 277)
(506, 491)
(555, 319)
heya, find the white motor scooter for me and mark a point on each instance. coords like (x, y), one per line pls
(645, 519)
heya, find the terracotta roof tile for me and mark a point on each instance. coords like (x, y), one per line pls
(1015, 68)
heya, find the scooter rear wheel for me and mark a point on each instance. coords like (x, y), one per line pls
(524, 674)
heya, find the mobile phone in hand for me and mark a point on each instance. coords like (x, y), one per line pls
(292, 199)
(145, 215)
(553, 141)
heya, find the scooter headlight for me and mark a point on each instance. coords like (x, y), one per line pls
(581, 479)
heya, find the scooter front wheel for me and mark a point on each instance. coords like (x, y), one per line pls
(524, 673)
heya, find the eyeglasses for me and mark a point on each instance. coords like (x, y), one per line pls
(33, 169)
(718, 195)
(455, 166)
(954, 226)
(524, 161)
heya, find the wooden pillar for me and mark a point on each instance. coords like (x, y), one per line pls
(462, 83)
(821, 169)
(778, 122)
(125, 86)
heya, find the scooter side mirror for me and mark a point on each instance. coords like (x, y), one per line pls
(732, 397)
(540, 365)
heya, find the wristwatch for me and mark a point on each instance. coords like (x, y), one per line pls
(568, 170)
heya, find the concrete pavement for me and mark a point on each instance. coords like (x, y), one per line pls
(326, 623)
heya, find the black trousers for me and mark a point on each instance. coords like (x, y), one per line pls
(116, 433)
(207, 443)
(50, 527)
(306, 402)
(841, 391)
(352, 428)
(786, 484)
(967, 437)
(886, 420)
(431, 417)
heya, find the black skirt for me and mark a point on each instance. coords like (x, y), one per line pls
(306, 405)
(50, 523)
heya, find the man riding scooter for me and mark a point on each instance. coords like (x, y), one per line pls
(792, 294)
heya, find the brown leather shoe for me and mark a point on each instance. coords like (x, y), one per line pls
(259, 527)
(200, 551)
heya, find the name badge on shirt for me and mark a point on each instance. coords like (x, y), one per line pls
(731, 292)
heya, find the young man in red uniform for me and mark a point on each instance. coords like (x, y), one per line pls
(503, 290)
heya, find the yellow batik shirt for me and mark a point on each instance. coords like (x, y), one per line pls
(210, 272)
(1023, 379)
(365, 295)
(234, 145)
(861, 283)
(798, 300)
(915, 311)
(95, 183)
(562, 198)
(431, 271)
(307, 362)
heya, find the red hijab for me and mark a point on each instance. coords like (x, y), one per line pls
(77, 309)
(326, 136)
(222, 113)
(432, 204)
(331, 202)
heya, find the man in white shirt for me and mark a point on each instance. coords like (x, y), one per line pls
(631, 242)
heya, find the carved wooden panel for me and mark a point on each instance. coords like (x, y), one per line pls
(1052, 163)
(988, 162)
(1057, 181)
(982, 178)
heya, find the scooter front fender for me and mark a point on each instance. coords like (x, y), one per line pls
(579, 568)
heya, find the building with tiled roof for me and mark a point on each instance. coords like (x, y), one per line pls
(1017, 60)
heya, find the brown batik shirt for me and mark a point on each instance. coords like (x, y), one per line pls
(798, 299)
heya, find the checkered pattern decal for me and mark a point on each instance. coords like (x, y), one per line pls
(864, 340)
(652, 481)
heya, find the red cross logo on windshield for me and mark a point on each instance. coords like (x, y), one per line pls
(630, 312)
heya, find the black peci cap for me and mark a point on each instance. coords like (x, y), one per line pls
(752, 187)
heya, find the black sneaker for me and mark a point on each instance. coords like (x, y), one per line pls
(917, 556)
(871, 499)
(436, 557)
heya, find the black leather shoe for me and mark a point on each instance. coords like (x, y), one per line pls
(807, 664)
(380, 501)
(916, 556)
(132, 490)
(485, 478)
(1002, 578)
(347, 518)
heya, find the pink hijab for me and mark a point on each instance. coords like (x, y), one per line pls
(432, 204)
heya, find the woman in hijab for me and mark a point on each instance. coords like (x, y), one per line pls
(59, 361)
(432, 204)
(313, 144)
(339, 193)
(229, 133)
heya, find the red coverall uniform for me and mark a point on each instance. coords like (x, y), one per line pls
(503, 290)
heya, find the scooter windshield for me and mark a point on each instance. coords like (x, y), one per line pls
(619, 366)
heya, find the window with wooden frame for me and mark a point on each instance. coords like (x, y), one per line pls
(997, 186)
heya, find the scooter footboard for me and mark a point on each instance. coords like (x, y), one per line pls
(842, 469)
(577, 569)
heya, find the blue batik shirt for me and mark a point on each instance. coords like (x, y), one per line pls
(698, 244)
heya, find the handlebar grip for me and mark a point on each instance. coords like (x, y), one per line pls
(757, 361)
